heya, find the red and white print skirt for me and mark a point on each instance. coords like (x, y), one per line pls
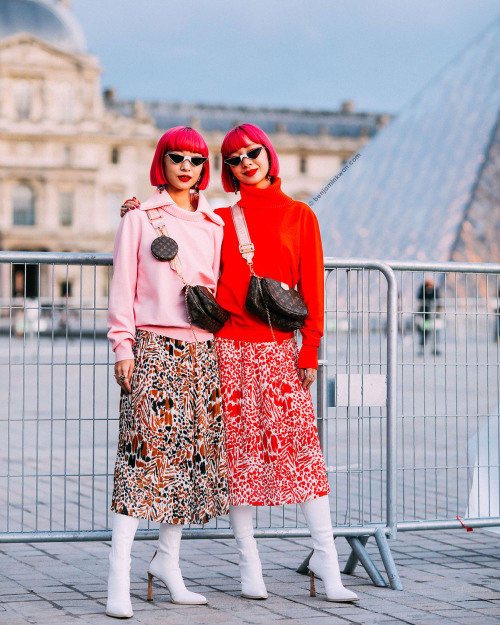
(273, 451)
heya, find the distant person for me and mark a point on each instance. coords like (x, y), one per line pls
(428, 321)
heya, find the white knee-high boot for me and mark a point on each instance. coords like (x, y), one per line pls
(118, 604)
(165, 567)
(252, 583)
(324, 561)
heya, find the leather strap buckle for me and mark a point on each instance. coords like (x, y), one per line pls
(245, 248)
(158, 214)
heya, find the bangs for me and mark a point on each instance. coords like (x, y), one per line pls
(183, 138)
(236, 139)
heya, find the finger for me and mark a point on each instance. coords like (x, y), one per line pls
(124, 385)
(302, 373)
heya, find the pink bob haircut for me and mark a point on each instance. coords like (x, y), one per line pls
(179, 139)
(238, 138)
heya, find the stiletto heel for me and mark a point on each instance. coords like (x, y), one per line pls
(165, 567)
(323, 562)
(150, 587)
(313, 585)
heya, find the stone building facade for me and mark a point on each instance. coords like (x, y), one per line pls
(70, 154)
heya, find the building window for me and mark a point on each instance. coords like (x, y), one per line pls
(25, 280)
(65, 289)
(115, 156)
(66, 202)
(303, 165)
(66, 103)
(23, 205)
(67, 154)
(23, 95)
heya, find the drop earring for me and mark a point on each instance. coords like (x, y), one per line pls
(197, 188)
(236, 183)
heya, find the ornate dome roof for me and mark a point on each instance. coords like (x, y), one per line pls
(48, 20)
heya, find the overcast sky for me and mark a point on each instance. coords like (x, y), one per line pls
(283, 53)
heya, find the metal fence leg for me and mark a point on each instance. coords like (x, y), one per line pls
(302, 569)
(388, 560)
(362, 555)
(353, 560)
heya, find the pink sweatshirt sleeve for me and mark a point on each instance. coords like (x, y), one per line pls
(121, 321)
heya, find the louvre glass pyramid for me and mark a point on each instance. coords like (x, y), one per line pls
(427, 187)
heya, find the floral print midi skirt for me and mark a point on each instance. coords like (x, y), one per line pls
(273, 451)
(171, 461)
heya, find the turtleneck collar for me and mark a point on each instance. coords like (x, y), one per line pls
(164, 201)
(271, 197)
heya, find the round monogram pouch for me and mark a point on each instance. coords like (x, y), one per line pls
(164, 248)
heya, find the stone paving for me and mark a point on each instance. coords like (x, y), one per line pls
(450, 577)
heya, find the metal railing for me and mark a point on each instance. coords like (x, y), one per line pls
(407, 398)
(448, 395)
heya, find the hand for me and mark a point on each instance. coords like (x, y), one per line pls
(307, 377)
(123, 374)
(129, 205)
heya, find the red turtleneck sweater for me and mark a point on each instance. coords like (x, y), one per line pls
(288, 248)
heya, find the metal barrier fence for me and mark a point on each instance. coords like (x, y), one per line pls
(448, 395)
(60, 402)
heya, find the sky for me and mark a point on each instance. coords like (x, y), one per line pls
(305, 54)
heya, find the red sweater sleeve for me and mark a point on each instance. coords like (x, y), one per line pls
(311, 287)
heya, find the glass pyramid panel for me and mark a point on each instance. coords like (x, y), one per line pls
(407, 195)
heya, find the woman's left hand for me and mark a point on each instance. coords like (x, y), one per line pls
(307, 377)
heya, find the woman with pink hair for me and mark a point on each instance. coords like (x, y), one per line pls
(273, 451)
(171, 463)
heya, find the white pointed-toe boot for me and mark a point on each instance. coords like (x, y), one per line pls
(165, 567)
(252, 582)
(119, 604)
(324, 561)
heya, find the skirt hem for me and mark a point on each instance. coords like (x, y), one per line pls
(281, 503)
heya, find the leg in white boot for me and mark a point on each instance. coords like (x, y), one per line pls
(165, 567)
(118, 604)
(324, 561)
(252, 583)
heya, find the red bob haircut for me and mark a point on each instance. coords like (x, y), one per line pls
(179, 139)
(238, 138)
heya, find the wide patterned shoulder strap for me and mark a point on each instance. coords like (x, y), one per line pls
(246, 246)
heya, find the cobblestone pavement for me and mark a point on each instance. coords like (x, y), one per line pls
(448, 576)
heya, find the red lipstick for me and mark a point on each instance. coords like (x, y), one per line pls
(184, 178)
(251, 172)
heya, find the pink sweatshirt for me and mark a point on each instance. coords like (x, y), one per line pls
(147, 293)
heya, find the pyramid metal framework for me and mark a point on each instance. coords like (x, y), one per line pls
(427, 187)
